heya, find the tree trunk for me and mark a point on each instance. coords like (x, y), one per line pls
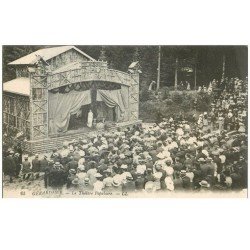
(176, 74)
(223, 68)
(159, 69)
(195, 77)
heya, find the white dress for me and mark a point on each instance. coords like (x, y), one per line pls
(90, 119)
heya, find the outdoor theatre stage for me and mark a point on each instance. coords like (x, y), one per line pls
(61, 85)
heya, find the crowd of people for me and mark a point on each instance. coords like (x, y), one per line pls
(173, 155)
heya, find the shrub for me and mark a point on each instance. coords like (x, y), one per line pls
(203, 102)
(169, 102)
(166, 94)
(144, 94)
(177, 97)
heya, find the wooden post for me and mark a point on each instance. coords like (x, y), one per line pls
(195, 77)
(176, 74)
(159, 69)
(93, 99)
(223, 68)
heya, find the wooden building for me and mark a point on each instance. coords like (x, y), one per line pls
(35, 101)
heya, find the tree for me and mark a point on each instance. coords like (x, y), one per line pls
(136, 55)
(102, 56)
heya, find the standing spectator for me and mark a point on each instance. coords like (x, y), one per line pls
(36, 167)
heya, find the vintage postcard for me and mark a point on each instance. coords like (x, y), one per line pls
(124, 121)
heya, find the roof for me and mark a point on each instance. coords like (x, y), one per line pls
(46, 54)
(133, 64)
(19, 86)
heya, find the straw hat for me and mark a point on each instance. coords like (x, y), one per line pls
(115, 183)
(204, 184)
(72, 171)
(75, 181)
(81, 168)
(97, 175)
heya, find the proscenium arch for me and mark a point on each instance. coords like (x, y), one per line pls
(91, 74)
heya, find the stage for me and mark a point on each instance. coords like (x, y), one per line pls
(56, 140)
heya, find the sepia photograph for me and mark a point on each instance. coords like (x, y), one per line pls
(124, 121)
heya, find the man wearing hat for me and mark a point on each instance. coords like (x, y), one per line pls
(86, 187)
(59, 176)
(64, 153)
(18, 164)
(186, 183)
(81, 174)
(71, 176)
(44, 163)
(36, 167)
(26, 168)
(139, 182)
(149, 175)
(10, 165)
(107, 181)
(203, 167)
(178, 166)
(129, 184)
(56, 157)
(45, 168)
(178, 183)
(72, 164)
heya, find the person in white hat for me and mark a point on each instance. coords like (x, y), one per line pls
(204, 185)
(141, 168)
(116, 186)
(86, 186)
(107, 181)
(168, 167)
(81, 174)
(81, 161)
(98, 185)
(150, 187)
(169, 183)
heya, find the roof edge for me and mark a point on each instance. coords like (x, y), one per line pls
(70, 47)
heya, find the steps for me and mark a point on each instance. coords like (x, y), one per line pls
(48, 144)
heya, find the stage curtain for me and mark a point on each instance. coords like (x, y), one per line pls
(125, 99)
(113, 99)
(61, 106)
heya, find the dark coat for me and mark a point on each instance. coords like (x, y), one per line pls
(9, 165)
(43, 165)
(128, 186)
(139, 183)
(72, 165)
(186, 182)
(35, 165)
(26, 167)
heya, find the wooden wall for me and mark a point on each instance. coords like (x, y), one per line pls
(16, 114)
(65, 58)
(22, 71)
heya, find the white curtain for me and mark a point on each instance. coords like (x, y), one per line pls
(113, 99)
(62, 106)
